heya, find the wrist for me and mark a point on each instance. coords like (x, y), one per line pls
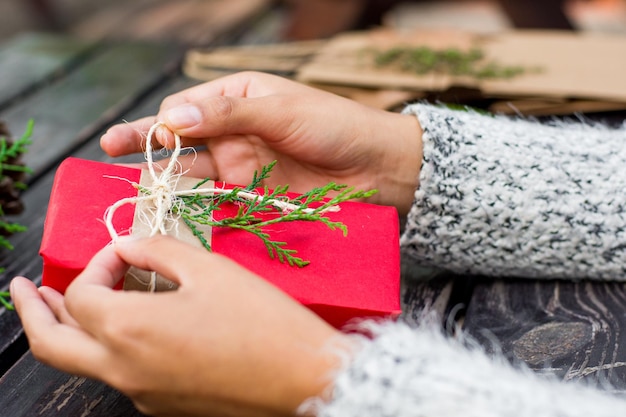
(400, 163)
(319, 373)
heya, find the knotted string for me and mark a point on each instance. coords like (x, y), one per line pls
(163, 196)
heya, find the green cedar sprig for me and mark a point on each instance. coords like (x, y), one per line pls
(4, 300)
(13, 151)
(423, 60)
(9, 228)
(10, 152)
(197, 209)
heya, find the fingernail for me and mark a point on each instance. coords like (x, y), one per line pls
(14, 283)
(183, 117)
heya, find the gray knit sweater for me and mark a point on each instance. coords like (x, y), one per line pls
(497, 196)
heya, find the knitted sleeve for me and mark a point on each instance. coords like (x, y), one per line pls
(513, 197)
(409, 372)
(497, 196)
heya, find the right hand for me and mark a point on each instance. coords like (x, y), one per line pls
(249, 119)
(225, 343)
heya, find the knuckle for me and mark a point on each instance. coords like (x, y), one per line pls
(222, 107)
(118, 330)
(169, 102)
(157, 244)
(127, 384)
(39, 349)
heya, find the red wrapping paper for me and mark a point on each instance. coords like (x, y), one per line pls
(348, 277)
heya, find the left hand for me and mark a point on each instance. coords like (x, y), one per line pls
(247, 120)
(225, 343)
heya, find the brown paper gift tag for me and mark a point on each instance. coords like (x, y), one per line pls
(138, 279)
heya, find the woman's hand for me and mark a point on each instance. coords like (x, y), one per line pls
(225, 343)
(250, 119)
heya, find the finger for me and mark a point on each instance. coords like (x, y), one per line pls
(127, 138)
(56, 303)
(171, 258)
(29, 303)
(51, 342)
(246, 84)
(89, 299)
(200, 165)
(271, 117)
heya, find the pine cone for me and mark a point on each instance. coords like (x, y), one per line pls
(10, 202)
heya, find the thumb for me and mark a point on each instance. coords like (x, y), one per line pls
(172, 258)
(268, 116)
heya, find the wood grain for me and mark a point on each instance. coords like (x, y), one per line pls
(51, 392)
(99, 93)
(188, 22)
(70, 110)
(33, 389)
(30, 61)
(72, 105)
(575, 330)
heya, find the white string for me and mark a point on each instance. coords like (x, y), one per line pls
(164, 196)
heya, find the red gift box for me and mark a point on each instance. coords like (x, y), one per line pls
(351, 276)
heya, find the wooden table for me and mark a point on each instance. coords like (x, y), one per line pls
(75, 89)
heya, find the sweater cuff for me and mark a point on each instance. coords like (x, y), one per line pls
(407, 372)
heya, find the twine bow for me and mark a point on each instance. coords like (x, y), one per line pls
(163, 196)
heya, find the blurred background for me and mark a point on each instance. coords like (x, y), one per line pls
(311, 19)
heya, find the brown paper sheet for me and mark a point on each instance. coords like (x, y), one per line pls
(282, 57)
(586, 71)
(567, 72)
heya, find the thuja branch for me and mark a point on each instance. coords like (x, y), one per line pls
(12, 172)
(197, 209)
(4, 300)
(11, 151)
(7, 228)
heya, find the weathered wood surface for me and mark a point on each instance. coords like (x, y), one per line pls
(74, 91)
(70, 110)
(29, 61)
(49, 392)
(75, 100)
(33, 389)
(68, 113)
(575, 330)
(189, 22)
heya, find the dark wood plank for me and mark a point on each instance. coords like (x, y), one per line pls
(33, 389)
(68, 112)
(544, 14)
(29, 61)
(86, 395)
(71, 113)
(576, 330)
(188, 22)
(24, 260)
(424, 292)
